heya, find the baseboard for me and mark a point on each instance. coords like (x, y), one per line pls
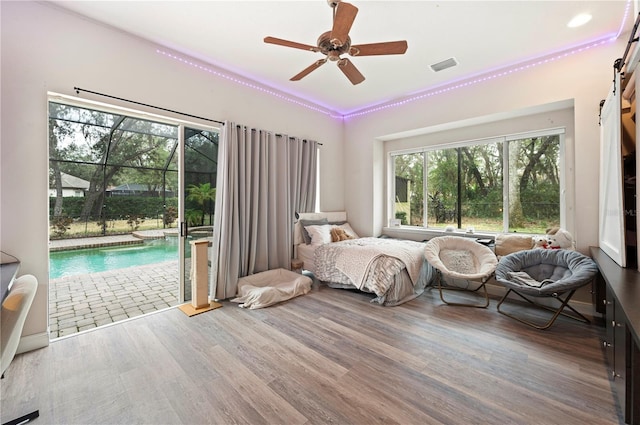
(33, 342)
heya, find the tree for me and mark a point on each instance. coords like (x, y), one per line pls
(201, 194)
(201, 151)
(410, 168)
(539, 180)
(104, 145)
(516, 214)
(481, 181)
(57, 132)
(443, 184)
(149, 169)
(55, 173)
(469, 161)
(540, 160)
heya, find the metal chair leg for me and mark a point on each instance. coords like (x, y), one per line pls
(557, 312)
(450, 288)
(24, 418)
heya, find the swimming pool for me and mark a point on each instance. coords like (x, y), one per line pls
(92, 260)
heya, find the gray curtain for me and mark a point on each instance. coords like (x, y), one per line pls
(304, 166)
(263, 180)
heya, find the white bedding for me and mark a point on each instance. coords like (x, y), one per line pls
(356, 257)
(393, 280)
(369, 264)
(394, 270)
(306, 253)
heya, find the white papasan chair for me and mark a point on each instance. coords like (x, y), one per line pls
(456, 259)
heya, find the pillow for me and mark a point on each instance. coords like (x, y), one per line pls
(305, 223)
(509, 242)
(320, 234)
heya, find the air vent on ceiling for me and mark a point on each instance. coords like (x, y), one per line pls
(447, 63)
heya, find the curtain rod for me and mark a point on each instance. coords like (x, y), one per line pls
(78, 90)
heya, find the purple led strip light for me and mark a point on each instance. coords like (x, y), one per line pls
(468, 82)
(516, 68)
(243, 82)
(624, 19)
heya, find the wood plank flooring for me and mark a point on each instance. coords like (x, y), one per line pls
(329, 357)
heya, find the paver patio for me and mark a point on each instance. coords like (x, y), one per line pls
(82, 302)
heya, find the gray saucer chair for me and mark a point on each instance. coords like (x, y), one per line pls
(550, 273)
(462, 259)
(14, 313)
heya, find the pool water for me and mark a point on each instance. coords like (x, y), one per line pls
(92, 260)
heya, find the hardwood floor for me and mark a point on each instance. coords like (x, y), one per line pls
(329, 357)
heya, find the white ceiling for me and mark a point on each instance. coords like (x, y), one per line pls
(481, 35)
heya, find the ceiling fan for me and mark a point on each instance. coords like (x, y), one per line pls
(336, 42)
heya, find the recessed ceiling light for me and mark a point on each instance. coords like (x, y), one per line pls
(579, 20)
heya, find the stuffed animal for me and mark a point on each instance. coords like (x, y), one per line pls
(339, 234)
(559, 238)
(540, 242)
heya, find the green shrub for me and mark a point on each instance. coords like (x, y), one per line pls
(402, 216)
(134, 221)
(170, 215)
(120, 207)
(60, 225)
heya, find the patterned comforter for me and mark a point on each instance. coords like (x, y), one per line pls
(373, 265)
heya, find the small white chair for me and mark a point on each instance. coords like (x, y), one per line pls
(456, 257)
(14, 313)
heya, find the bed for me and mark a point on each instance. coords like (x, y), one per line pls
(394, 270)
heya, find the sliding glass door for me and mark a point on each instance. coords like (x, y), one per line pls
(200, 153)
(128, 192)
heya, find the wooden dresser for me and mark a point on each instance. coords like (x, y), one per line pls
(617, 297)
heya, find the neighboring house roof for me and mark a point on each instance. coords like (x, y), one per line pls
(73, 182)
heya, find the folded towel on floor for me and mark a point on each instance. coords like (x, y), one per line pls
(524, 279)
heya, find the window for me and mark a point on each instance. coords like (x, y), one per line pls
(408, 189)
(465, 184)
(126, 165)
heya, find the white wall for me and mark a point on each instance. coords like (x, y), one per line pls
(47, 49)
(583, 78)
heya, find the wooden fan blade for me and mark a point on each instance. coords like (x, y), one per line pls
(342, 21)
(388, 48)
(287, 43)
(317, 64)
(350, 70)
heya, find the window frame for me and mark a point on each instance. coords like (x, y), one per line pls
(505, 139)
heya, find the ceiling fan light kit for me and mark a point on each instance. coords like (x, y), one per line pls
(337, 42)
